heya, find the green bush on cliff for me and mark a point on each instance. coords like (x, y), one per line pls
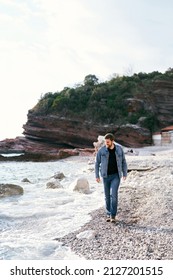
(105, 102)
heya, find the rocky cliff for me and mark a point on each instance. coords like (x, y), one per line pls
(161, 101)
(76, 133)
(130, 108)
(155, 98)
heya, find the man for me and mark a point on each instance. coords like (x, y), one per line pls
(111, 163)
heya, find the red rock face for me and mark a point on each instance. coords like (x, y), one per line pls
(158, 99)
(32, 150)
(80, 134)
(50, 129)
(47, 138)
(162, 100)
(133, 136)
(51, 138)
(63, 131)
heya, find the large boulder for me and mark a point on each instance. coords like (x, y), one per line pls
(10, 190)
(80, 185)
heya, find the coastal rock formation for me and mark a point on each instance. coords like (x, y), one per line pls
(51, 135)
(24, 149)
(161, 101)
(157, 99)
(76, 133)
(130, 135)
(81, 132)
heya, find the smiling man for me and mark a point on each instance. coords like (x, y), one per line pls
(111, 164)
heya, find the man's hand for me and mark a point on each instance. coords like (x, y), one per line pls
(124, 178)
(98, 180)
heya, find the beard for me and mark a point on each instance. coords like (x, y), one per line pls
(109, 146)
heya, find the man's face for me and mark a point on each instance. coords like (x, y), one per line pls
(108, 143)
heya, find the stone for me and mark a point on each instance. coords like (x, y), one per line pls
(80, 185)
(53, 184)
(87, 234)
(59, 175)
(10, 190)
(26, 180)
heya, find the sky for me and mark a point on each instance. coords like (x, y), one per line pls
(46, 45)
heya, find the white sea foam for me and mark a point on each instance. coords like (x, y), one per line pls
(30, 223)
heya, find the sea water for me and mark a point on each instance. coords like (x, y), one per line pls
(30, 223)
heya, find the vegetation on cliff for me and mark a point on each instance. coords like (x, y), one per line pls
(121, 100)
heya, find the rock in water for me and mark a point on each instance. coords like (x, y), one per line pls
(80, 185)
(10, 190)
(54, 184)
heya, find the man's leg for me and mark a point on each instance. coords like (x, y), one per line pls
(115, 182)
(106, 183)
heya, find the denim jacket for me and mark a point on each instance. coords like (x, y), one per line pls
(101, 163)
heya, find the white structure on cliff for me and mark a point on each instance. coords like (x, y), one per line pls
(165, 137)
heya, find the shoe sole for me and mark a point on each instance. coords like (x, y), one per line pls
(113, 220)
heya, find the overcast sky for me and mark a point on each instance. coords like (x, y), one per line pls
(46, 45)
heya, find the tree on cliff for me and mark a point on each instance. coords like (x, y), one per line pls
(121, 100)
(91, 80)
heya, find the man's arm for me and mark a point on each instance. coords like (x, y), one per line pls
(124, 165)
(97, 166)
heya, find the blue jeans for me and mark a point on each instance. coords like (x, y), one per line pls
(111, 185)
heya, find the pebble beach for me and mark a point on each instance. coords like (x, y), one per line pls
(144, 226)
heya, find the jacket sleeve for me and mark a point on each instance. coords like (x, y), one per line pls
(97, 164)
(124, 165)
